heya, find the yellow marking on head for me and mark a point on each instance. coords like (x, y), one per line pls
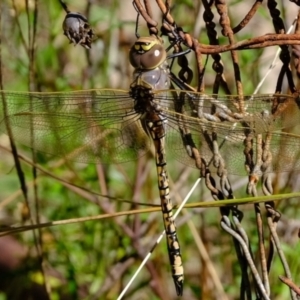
(144, 45)
(148, 46)
(137, 46)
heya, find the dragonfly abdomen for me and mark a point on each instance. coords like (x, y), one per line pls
(157, 132)
(169, 224)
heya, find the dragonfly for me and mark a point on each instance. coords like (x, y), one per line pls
(197, 129)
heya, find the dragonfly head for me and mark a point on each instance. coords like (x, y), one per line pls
(147, 53)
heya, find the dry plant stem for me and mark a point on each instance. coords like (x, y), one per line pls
(227, 31)
(142, 172)
(37, 241)
(226, 225)
(241, 230)
(14, 151)
(277, 20)
(284, 55)
(107, 207)
(75, 189)
(185, 73)
(219, 162)
(267, 40)
(152, 25)
(295, 48)
(148, 8)
(32, 30)
(64, 6)
(14, 230)
(83, 192)
(272, 215)
(277, 244)
(262, 249)
(210, 184)
(219, 292)
(224, 203)
(137, 189)
(254, 167)
(165, 11)
(253, 43)
(245, 286)
(115, 274)
(181, 181)
(199, 25)
(31, 87)
(208, 17)
(29, 28)
(226, 190)
(88, 7)
(9, 131)
(158, 240)
(286, 70)
(248, 16)
(291, 284)
(26, 47)
(201, 70)
(244, 256)
(32, 45)
(202, 205)
(217, 284)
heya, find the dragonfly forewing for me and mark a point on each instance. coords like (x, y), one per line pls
(102, 126)
(210, 119)
(96, 126)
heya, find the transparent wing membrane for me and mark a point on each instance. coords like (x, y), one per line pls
(86, 126)
(102, 126)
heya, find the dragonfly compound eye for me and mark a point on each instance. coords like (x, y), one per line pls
(147, 53)
(78, 30)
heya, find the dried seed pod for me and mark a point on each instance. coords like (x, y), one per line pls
(77, 30)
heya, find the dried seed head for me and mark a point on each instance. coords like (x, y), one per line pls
(77, 30)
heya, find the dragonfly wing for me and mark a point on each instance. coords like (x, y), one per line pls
(267, 131)
(213, 147)
(88, 126)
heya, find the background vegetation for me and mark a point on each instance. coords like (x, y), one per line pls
(95, 259)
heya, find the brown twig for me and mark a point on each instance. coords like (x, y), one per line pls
(290, 283)
(166, 11)
(151, 24)
(64, 6)
(248, 16)
(267, 40)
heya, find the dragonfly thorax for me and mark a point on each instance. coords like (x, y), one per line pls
(143, 97)
(144, 85)
(147, 53)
